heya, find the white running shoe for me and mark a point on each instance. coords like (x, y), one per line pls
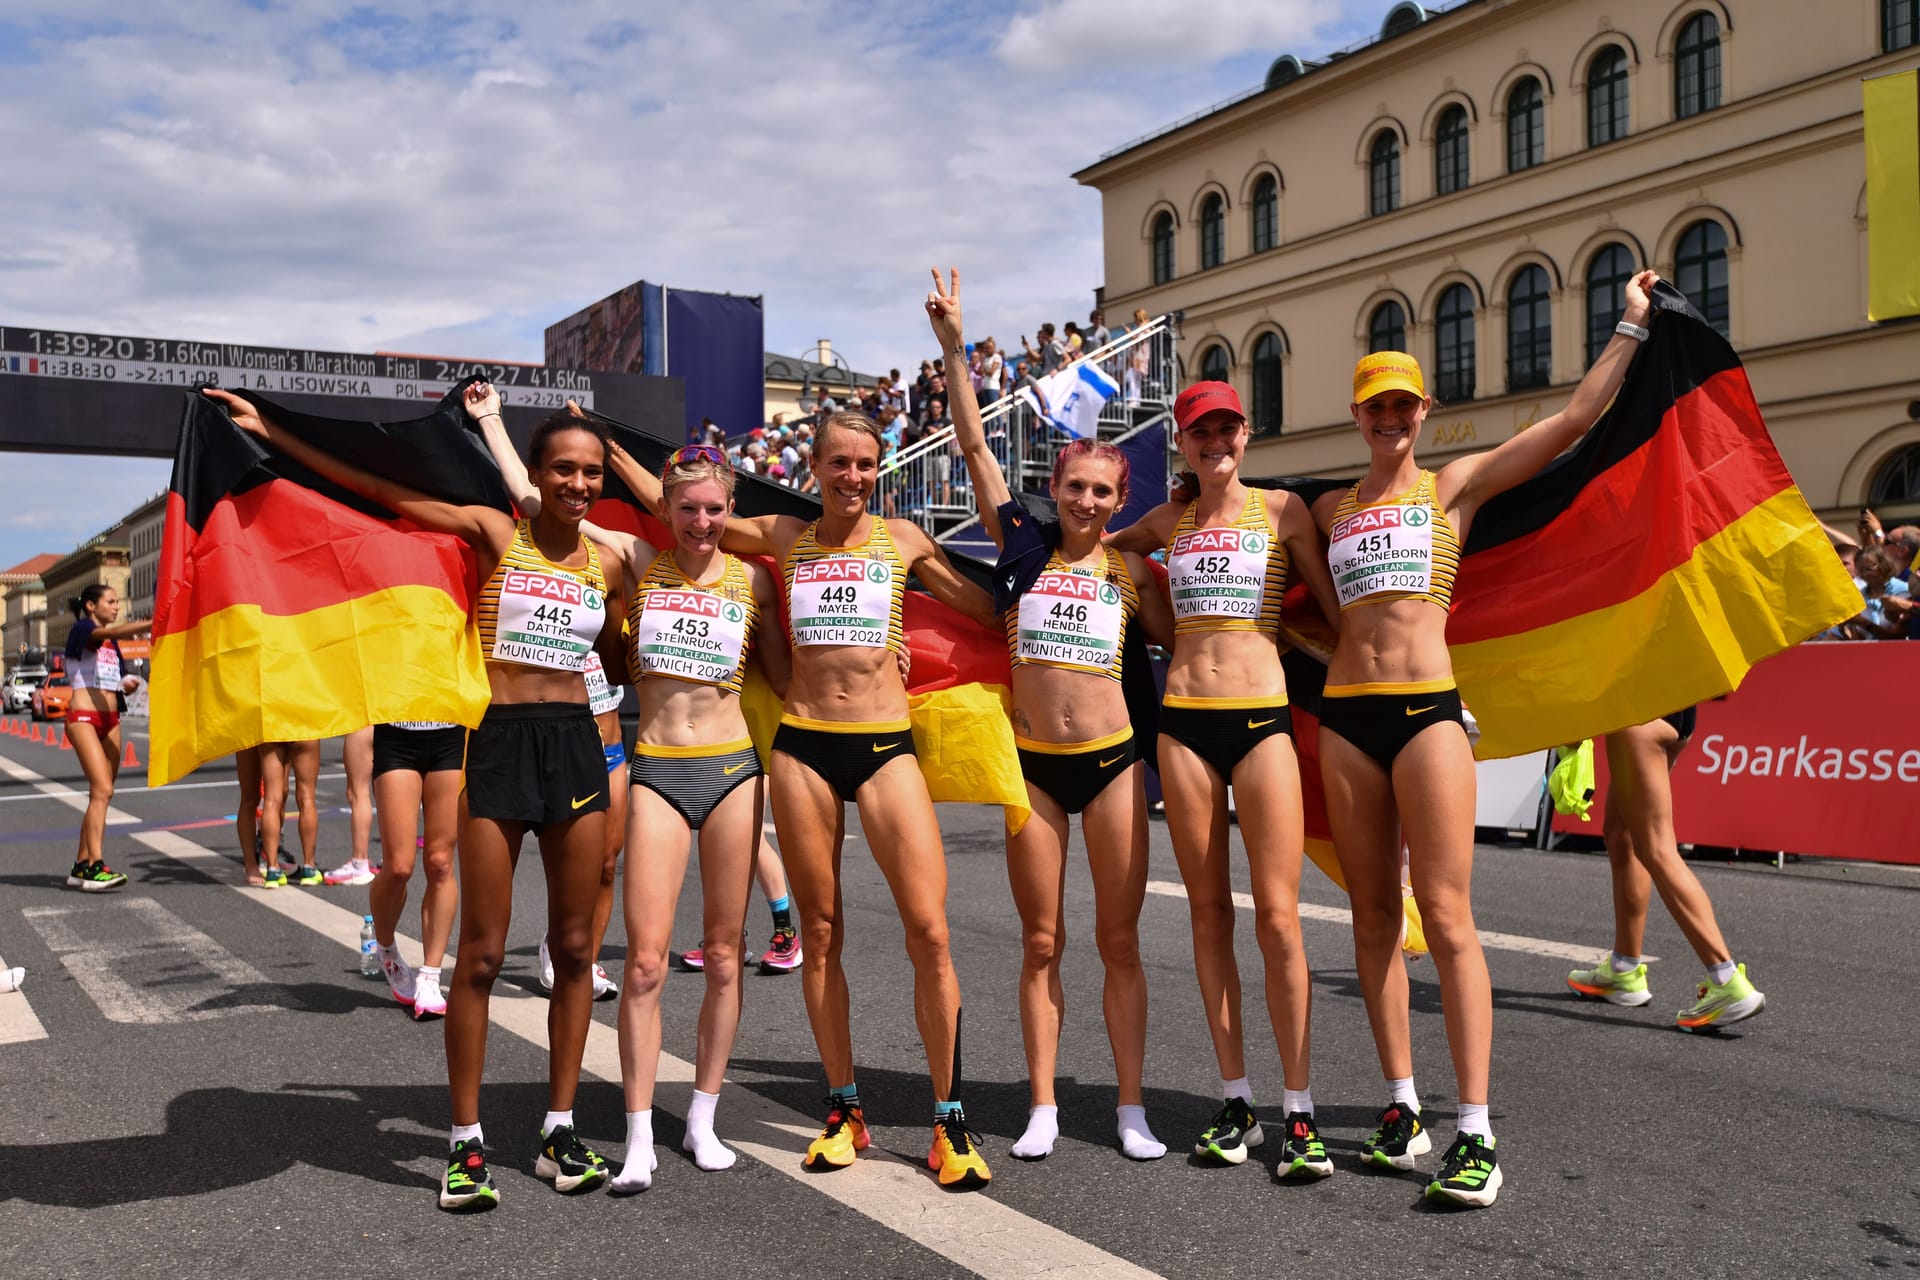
(350, 872)
(399, 977)
(604, 988)
(10, 979)
(546, 966)
(428, 1000)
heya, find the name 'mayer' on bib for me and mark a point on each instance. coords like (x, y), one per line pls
(1071, 619)
(842, 600)
(1384, 550)
(690, 635)
(1219, 573)
(546, 620)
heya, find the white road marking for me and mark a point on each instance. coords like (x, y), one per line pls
(59, 791)
(1490, 940)
(17, 1021)
(969, 1230)
(140, 963)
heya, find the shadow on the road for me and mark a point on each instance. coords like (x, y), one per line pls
(33, 880)
(216, 1139)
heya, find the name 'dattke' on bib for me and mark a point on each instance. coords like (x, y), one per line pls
(1384, 550)
(1219, 573)
(842, 600)
(1071, 618)
(546, 620)
(691, 635)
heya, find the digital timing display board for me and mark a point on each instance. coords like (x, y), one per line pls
(70, 392)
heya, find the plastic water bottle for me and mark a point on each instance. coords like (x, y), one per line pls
(369, 949)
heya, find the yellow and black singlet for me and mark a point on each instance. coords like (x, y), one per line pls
(688, 631)
(846, 595)
(1227, 579)
(1074, 618)
(1400, 548)
(540, 614)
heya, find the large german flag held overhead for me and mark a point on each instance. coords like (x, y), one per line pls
(1648, 568)
(288, 608)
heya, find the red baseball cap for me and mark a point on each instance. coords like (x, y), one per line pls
(1203, 398)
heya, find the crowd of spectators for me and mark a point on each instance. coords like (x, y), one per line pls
(1882, 568)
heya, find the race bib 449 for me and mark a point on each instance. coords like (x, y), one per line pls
(841, 600)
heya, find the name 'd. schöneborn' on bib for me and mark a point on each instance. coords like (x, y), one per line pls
(1071, 619)
(546, 620)
(841, 600)
(1385, 550)
(1218, 573)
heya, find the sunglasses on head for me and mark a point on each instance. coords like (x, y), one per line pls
(697, 453)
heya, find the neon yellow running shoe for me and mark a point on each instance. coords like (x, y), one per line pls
(1718, 1004)
(1604, 982)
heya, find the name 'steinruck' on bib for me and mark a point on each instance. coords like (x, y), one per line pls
(1218, 573)
(691, 635)
(546, 620)
(1071, 619)
(842, 600)
(1382, 550)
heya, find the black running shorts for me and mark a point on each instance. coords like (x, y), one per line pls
(536, 762)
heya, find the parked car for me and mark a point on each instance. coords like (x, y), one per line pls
(17, 692)
(50, 699)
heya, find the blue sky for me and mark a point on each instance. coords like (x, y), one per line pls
(358, 177)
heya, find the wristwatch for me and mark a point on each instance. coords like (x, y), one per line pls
(1638, 332)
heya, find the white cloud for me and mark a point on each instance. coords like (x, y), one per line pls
(1073, 35)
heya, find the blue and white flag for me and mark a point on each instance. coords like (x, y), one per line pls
(1071, 399)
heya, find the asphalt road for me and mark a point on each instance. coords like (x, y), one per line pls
(218, 1092)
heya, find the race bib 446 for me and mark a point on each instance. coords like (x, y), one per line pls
(1072, 619)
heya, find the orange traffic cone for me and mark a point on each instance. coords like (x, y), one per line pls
(36, 732)
(130, 760)
(64, 744)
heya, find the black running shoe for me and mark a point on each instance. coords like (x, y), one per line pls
(94, 877)
(1398, 1140)
(568, 1163)
(1469, 1175)
(468, 1183)
(1233, 1133)
(1303, 1155)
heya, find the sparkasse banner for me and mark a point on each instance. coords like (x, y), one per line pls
(1817, 753)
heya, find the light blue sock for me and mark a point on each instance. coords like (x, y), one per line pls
(942, 1110)
(848, 1093)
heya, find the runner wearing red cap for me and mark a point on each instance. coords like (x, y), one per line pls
(1393, 750)
(1224, 722)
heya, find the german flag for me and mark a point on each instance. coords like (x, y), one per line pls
(288, 608)
(1647, 569)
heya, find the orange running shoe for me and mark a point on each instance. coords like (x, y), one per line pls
(844, 1136)
(956, 1154)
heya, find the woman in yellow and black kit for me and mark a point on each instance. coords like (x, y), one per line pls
(1394, 753)
(1224, 722)
(534, 763)
(845, 737)
(1074, 602)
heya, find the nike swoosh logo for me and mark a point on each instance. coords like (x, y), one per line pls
(728, 770)
(1414, 711)
(1260, 724)
(1117, 759)
(588, 800)
(886, 746)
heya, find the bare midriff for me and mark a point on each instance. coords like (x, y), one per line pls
(1226, 664)
(846, 682)
(684, 713)
(1052, 704)
(1393, 642)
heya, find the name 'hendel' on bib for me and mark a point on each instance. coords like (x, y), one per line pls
(1074, 618)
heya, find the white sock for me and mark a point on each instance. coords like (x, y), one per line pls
(427, 973)
(1136, 1140)
(1625, 964)
(554, 1120)
(1405, 1094)
(389, 950)
(1721, 973)
(1237, 1089)
(1296, 1100)
(1473, 1119)
(708, 1151)
(10, 979)
(1043, 1127)
(637, 1173)
(358, 864)
(461, 1132)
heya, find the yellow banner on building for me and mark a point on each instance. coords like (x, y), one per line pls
(1893, 195)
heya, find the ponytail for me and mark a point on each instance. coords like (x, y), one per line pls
(87, 597)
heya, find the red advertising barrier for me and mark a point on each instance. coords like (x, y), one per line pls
(1817, 753)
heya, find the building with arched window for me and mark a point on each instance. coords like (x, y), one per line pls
(1476, 185)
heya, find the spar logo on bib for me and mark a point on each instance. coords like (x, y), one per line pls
(1415, 517)
(1253, 543)
(1380, 518)
(1203, 541)
(1109, 594)
(733, 612)
(879, 571)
